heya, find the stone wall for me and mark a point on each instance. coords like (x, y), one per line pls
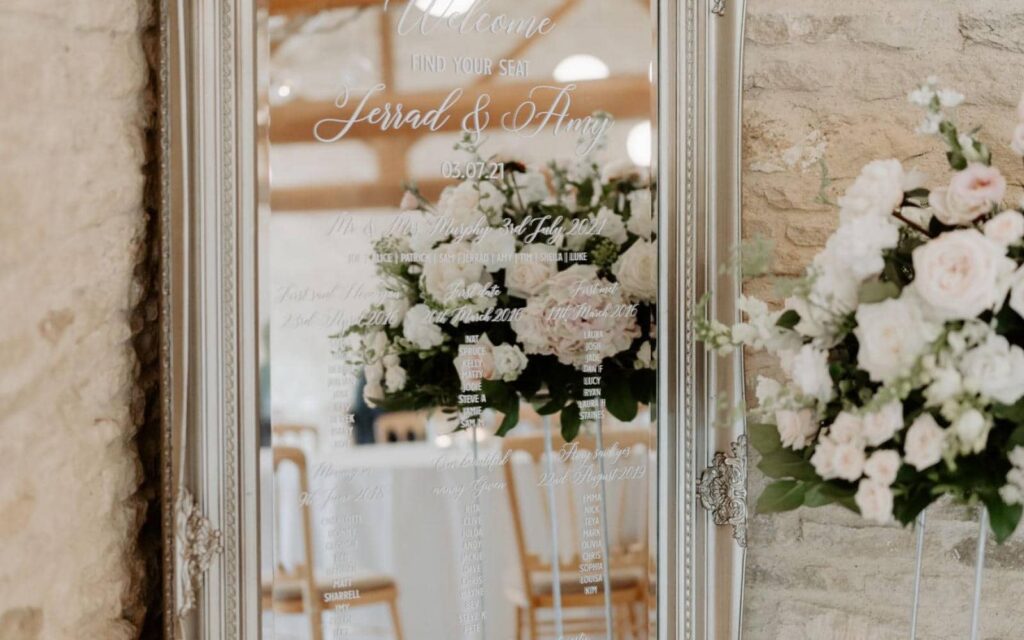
(74, 110)
(827, 80)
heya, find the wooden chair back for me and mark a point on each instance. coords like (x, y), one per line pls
(627, 549)
(400, 426)
(303, 572)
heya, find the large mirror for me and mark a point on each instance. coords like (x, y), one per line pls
(433, 270)
(460, 365)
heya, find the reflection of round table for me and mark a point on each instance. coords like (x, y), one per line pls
(411, 499)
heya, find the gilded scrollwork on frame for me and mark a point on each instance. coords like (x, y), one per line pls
(197, 544)
(722, 489)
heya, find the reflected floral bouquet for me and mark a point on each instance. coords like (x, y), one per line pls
(550, 272)
(902, 344)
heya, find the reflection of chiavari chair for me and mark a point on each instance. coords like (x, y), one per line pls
(290, 435)
(400, 426)
(628, 557)
(297, 590)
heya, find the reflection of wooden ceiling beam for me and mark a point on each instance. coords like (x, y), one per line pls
(366, 195)
(297, 7)
(621, 96)
(526, 43)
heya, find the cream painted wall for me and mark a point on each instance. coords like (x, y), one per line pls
(828, 79)
(73, 109)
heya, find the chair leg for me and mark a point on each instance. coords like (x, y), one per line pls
(519, 623)
(395, 620)
(533, 624)
(316, 618)
(634, 623)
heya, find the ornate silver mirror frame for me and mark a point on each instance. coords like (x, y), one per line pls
(210, 137)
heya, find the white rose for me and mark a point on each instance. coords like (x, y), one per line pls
(637, 271)
(847, 429)
(642, 221)
(395, 309)
(492, 200)
(1011, 493)
(859, 244)
(946, 383)
(623, 170)
(395, 377)
(419, 328)
(972, 192)
(809, 372)
(995, 369)
(644, 356)
(925, 442)
(373, 390)
(834, 287)
(1016, 457)
(960, 274)
(824, 455)
(875, 500)
(1017, 141)
(796, 428)
(848, 462)
(498, 247)
(454, 277)
(892, 336)
(812, 319)
(876, 192)
(971, 430)
(1006, 228)
(526, 277)
(883, 466)
(610, 225)
(882, 425)
(461, 203)
(509, 362)
(532, 186)
(427, 232)
(767, 391)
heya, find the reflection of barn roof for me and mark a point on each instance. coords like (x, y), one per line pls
(320, 46)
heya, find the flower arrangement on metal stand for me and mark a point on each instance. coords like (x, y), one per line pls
(903, 346)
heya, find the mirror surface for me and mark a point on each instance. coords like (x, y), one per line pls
(459, 291)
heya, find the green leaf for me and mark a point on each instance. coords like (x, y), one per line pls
(876, 291)
(782, 495)
(1013, 412)
(619, 400)
(787, 464)
(764, 437)
(1016, 439)
(956, 160)
(788, 320)
(570, 422)
(827, 493)
(502, 397)
(509, 422)
(1003, 517)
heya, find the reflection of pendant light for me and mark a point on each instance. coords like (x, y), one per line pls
(638, 144)
(444, 8)
(580, 67)
(284, 91)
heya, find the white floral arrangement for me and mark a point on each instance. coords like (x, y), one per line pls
(548, 273)
(901, 345)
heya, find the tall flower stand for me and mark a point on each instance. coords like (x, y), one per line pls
(979, 570)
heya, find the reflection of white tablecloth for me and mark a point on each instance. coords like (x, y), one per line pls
(411, 530)
(411, 526)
